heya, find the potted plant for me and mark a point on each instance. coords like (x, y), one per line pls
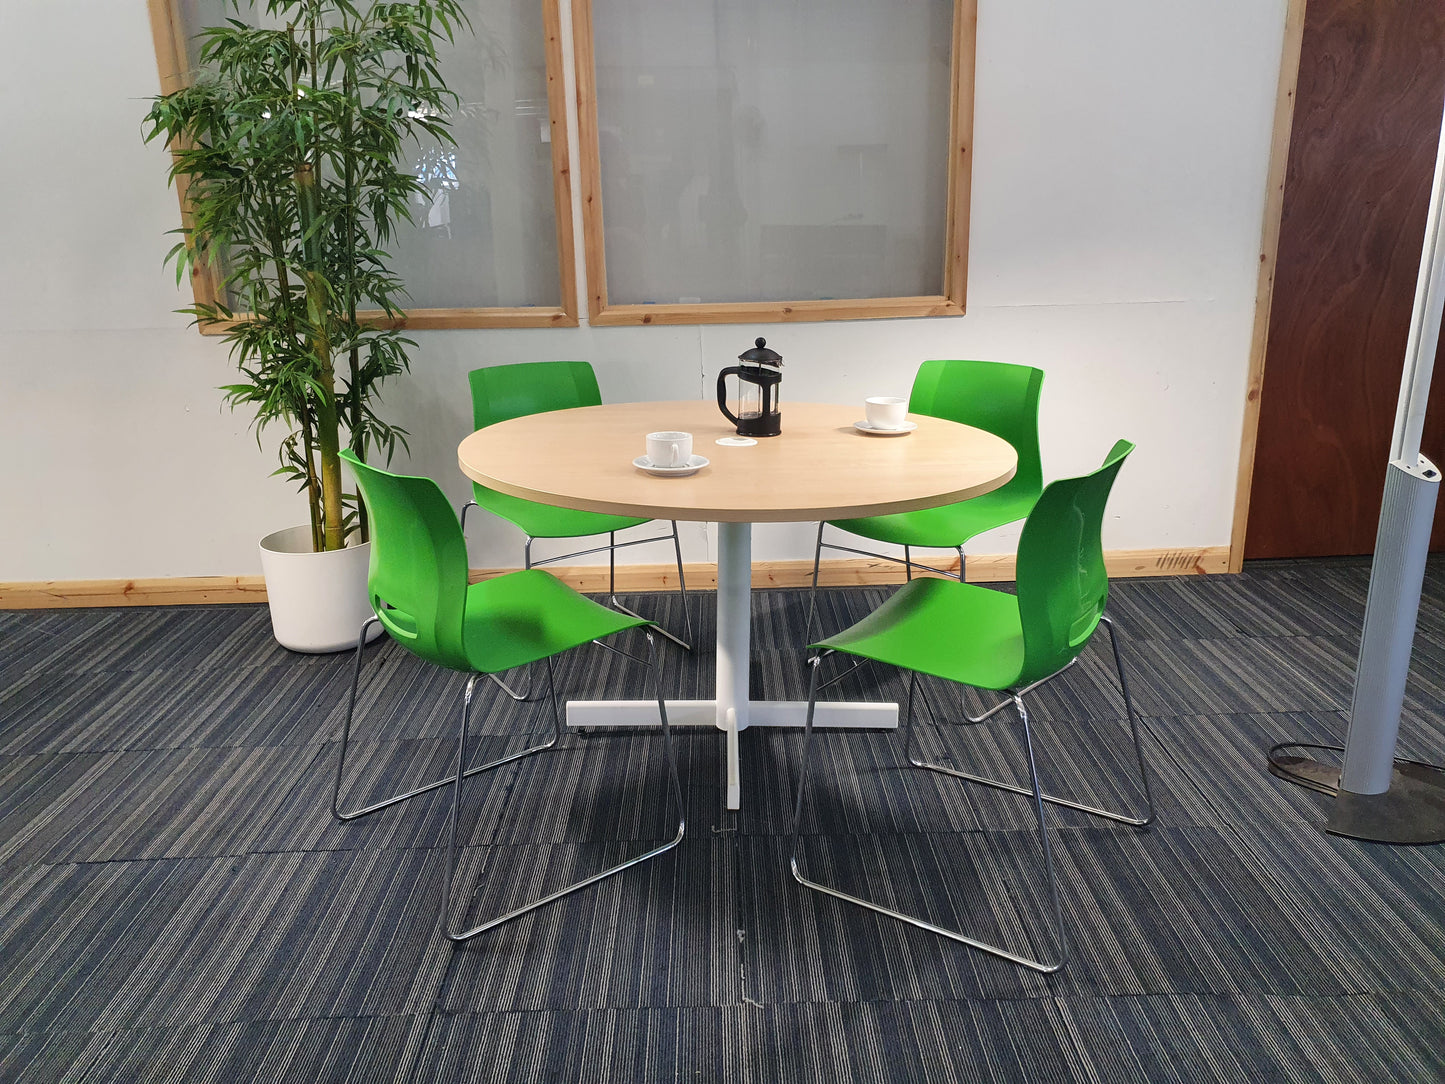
(287, 145)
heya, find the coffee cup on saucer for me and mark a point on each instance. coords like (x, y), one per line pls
(669, 449)
(886, 411)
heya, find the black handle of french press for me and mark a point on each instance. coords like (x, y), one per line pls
(722, 397)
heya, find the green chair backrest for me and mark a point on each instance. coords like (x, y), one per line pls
(1062, 585)
(418, 577)
(992, 395)
(534, 387)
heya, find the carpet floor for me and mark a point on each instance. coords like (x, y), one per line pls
(177, 902)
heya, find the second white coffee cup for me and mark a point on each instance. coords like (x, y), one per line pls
(669, 449)
(886, 411)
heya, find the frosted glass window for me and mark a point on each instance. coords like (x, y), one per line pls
(771, 150)
(486, 236)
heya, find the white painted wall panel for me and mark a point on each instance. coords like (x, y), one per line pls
(1118, 193)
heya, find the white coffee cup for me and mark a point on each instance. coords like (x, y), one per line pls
(669, 449)
(886, 411)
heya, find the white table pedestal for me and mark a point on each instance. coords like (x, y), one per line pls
(731, 711)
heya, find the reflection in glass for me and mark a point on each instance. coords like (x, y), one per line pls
(487, 235)
(757, 150)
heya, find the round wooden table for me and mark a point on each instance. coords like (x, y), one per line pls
(819, 468)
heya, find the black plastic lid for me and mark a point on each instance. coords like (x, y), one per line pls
(761, 355)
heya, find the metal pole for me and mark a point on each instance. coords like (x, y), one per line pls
(1424, 322)
(1406, 515)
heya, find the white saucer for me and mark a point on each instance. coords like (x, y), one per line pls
(879, 431)
(735, 442)
(692, 466)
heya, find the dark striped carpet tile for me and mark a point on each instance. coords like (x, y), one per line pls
(862, 783)
(1247, 606)
(122, 945)
(760, 1044)
(176, 638)
(400, 696)
(993, 1041)
(374, 1050)
(50, 1057)
(53, 711)
(1243, 1039)
(1157, 911)
(303, 821)
(94, 807)
(615, 785)
(1226, 757)
(1377, 911)
(800, 946)
(642, 1045)
(1215, 677)
(660, 934)
(1162, 1039)
(23, 648)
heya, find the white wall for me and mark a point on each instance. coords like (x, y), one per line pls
(1119, 175)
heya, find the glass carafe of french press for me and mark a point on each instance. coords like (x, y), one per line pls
(759, 377)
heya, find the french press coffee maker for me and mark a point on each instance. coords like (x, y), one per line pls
(757, 400)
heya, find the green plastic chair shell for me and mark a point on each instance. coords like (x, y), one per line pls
(991, 640)
(503, 392)
(1000, 398)
(418, 587)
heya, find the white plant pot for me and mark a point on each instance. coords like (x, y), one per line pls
(318, 600)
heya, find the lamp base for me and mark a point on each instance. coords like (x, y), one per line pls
(1411, 811)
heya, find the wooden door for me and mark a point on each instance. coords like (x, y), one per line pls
(1357, 190)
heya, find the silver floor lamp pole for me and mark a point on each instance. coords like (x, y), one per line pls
(1377, 797)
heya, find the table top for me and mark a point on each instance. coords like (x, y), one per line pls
(819, 467)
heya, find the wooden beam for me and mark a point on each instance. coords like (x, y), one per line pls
(774, 312)
(850, 572)
(1264, 287)
(588, 149)
(169, 591)
(960, 167)
(561, 165)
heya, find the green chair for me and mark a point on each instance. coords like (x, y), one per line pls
(1001, 642)
(502, 392)
(418, 588)
(1001, 398)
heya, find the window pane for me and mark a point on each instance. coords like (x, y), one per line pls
(773, 150)
(487, 237)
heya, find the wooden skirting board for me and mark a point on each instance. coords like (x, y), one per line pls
(187, 590)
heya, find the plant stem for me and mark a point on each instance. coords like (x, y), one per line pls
(318, 305)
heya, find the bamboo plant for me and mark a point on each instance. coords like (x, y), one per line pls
(289, 143)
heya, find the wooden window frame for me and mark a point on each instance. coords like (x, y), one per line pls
(171, 61)
(955, 270)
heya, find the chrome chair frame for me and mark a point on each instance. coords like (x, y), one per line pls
(462, 772)
(675, 787)
(1133, 820)
(612, 546)
(1012, 697)
(352, 815)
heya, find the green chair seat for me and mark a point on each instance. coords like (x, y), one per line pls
(944, 527)
(503, 392)
(524, 617)
(548, 521)
(943, 628)
(999, 398)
